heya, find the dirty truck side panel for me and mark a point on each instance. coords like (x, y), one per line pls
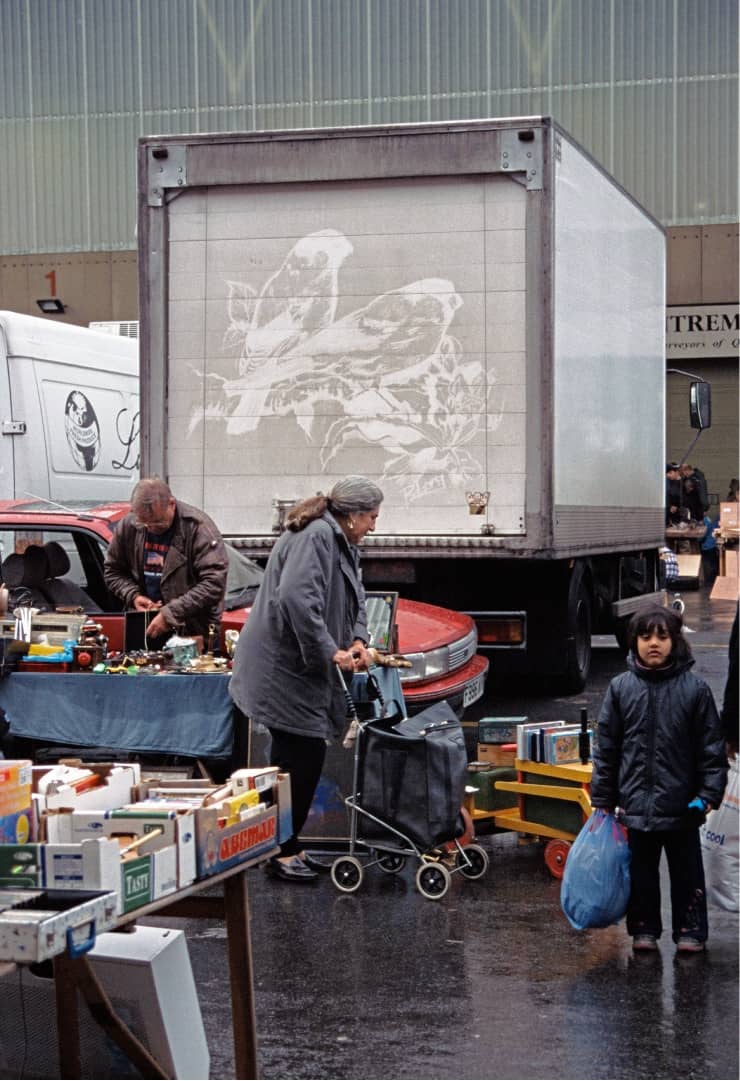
(609, 359)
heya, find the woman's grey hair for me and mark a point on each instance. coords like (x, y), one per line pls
(354, 494)
(348, 496)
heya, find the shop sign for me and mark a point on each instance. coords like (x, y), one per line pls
(702, 331)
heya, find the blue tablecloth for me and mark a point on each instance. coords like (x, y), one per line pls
(167, 714)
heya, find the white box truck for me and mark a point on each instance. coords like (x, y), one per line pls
(470, 313)
(69, 400)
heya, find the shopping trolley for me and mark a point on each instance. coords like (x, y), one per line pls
(408, 786)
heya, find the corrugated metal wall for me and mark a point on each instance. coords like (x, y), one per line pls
(650, 87)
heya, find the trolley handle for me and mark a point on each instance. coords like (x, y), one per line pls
(436, 725)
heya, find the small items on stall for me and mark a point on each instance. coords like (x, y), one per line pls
(91, 648)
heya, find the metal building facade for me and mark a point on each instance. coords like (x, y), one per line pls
(649, 87)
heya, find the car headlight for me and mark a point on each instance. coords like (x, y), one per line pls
(436, 663)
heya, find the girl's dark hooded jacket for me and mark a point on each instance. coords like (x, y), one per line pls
(658, 745)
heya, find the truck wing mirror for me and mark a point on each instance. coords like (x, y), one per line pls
(700, 405)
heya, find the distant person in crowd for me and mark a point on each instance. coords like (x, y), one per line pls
(699, 482)
(669, 567)
(673, 492)
(309, 617)
(660, 758)
(729, 715)
(732, 494)
(168, 558)
(691, 500)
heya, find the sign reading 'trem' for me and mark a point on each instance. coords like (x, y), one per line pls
(702, 330)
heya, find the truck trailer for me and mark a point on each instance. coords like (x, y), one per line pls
(470, 313)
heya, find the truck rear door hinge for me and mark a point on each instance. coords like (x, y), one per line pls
(13, 427)
(521, 152)
(167, 170)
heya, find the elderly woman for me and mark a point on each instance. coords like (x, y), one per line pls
(309, 616)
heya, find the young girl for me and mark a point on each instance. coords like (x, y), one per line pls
(660, 759)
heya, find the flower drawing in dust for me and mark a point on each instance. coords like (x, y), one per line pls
(297, 302)
(388, 374)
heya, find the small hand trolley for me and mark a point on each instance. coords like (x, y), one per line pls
(408, 787)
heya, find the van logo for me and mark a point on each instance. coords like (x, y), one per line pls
(82, 430)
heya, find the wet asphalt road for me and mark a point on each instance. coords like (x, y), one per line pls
(489, 982)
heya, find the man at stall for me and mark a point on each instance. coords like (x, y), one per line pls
(168, 559)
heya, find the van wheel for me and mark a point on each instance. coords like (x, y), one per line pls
(578, 630)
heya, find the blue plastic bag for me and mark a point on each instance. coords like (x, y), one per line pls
(595, 887)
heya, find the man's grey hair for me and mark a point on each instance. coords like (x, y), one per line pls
(151, 492)
(354, 494)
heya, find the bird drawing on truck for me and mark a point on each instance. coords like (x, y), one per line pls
(388, 374)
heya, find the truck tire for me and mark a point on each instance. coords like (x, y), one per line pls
(578, 630)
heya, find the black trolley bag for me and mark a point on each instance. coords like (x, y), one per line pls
(412, 776)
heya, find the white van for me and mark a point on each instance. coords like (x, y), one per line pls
(69, 409)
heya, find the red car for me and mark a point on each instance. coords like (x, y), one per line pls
(440, 643)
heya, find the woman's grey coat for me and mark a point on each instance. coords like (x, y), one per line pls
(310, 604)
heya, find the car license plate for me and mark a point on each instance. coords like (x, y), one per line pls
(474, 690)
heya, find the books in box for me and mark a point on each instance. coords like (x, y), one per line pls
(15, 801)
(563, 745)
(527, 738)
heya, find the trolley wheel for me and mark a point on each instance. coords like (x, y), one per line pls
(392, 863)
(468, 833)
(478, 861)
(433, 880)
(346, 874)
(556, 853)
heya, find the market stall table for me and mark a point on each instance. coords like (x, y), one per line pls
(693, 536)
(178, 714)
(75, 974)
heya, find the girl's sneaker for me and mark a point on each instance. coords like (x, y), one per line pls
(687, 944)
(642, 943)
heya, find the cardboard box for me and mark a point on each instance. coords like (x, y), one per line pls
(157, 869)
(219, 848)
(261, 778)
(498, 754)
(729, 516)
(118, 781)
(88, 865)
(38, 924)
(178, 830)
(15, 801)
(147, 878)
(148, 977)
(21, 866)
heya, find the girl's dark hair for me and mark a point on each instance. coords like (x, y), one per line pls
(348, 496)
(654, 616)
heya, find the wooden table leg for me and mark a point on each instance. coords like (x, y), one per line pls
(68, 1019)
(244, 1019)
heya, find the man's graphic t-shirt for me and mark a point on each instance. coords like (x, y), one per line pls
(156, 547)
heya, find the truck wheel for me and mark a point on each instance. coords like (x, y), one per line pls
(579, 633)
